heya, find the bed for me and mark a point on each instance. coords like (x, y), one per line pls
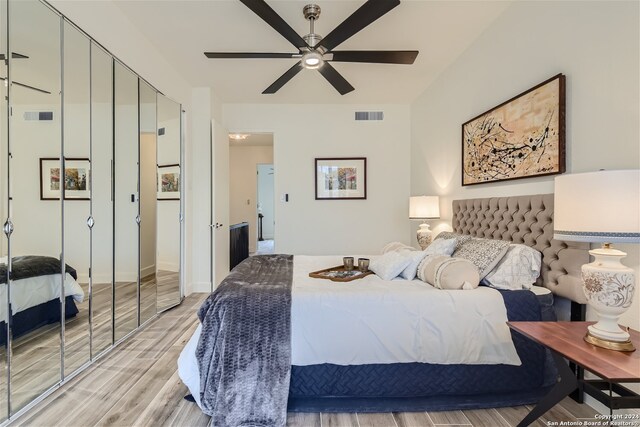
(341, 360)
(35, 289)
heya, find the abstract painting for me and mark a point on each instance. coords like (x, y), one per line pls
(341, 178)
(522, 137)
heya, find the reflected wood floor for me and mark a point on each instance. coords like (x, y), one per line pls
(138, 384)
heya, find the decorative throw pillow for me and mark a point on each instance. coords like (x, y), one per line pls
(441, 247)
(518, 269)
(397, 246)
(416, 258)
(459, 238)
(390, 265)
(444, 272)
(483, 253)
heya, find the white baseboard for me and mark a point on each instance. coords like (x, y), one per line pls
(145, 271)
(201, 287)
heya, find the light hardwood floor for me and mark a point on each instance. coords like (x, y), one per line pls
(138, 384)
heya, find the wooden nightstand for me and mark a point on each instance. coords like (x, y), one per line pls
(566, 340)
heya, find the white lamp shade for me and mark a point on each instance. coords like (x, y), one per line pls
(424, 207)
(601, 206)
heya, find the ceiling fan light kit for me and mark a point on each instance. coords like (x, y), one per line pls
(314, 51)
(312, 60)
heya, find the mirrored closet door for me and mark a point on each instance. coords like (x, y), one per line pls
(4, 212)
(89, 199)
(76, 132)
(148, 202)
(169, 184)
(126, 197)
(101, 186)
(36, 179)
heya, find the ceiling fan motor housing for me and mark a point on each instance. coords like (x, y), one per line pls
(311, 11)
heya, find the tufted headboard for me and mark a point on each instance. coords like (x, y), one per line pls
(527, 220)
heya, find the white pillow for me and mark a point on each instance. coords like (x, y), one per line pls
(391, 264)
(441, 247)
(411, 270)
(518, 269)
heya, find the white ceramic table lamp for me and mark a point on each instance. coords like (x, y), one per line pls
(424, 208)
(602, 207)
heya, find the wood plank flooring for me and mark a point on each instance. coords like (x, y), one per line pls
(137, 384)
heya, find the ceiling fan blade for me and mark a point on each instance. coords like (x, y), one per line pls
(335, 78)
(14, 55)
(264, 11)
(37, 89)
(375, 56)
(283, 79)
(250, 55)
(365, 15)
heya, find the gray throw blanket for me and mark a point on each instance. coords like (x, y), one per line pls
(244, 352)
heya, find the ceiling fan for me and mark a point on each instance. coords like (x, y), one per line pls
(16, 55)
(316, 52)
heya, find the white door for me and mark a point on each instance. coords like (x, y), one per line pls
(220, 202)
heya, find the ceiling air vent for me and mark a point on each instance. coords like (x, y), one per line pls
(38, 115)
(369, 115)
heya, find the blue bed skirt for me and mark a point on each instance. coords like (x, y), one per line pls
(38, 316)
(424, 386)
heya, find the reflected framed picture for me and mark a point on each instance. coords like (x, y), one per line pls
(341, 178)
(77, 174)
(169, 182)
(520, 138)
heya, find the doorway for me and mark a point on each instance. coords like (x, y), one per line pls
(265, 209)
(250, 162)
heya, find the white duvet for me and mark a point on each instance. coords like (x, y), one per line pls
(370, 321)
(27, 293)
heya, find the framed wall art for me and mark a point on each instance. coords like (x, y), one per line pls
(341, 178)
(76, 178)
(169, 182)
(520, 138)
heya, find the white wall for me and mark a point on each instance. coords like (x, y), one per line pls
(198, 244)
(243, 199)
(304, 132)
(595, 44)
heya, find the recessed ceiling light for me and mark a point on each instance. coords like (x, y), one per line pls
(238, 136)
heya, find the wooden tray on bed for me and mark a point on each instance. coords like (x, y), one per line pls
(339, 274)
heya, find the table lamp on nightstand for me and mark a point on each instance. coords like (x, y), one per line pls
(602, 207)
(424, 208)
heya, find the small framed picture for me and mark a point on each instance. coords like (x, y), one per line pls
(75, 180)
(169, 182)
(341, 178)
